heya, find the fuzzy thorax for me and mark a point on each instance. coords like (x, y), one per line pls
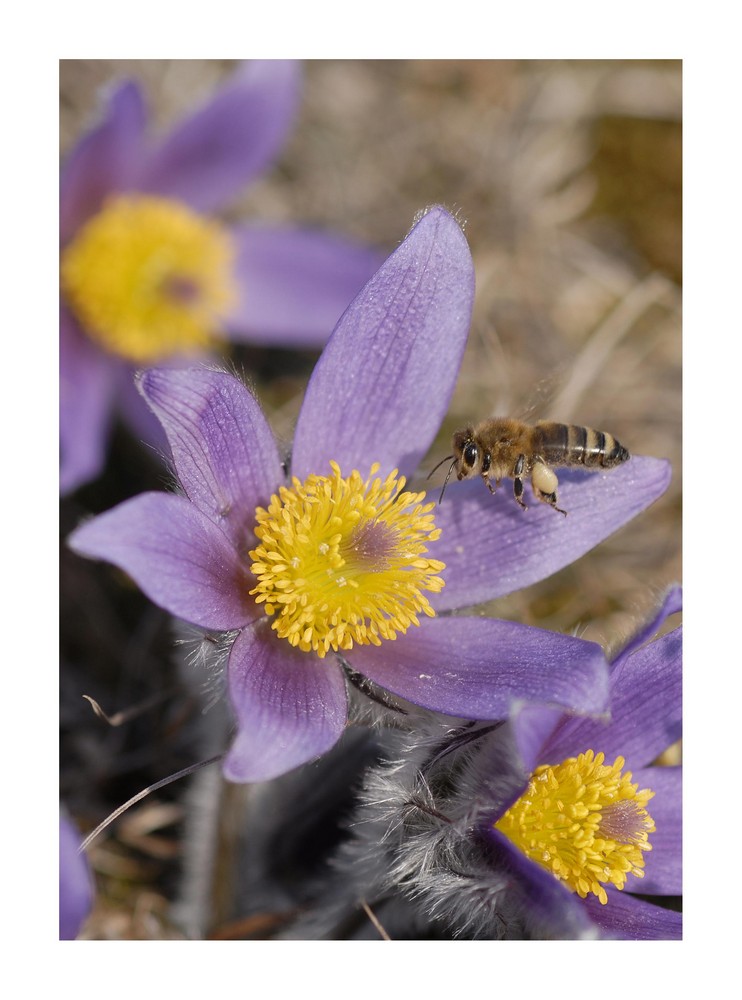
(148, 278)
(341, 560)
(584, 821)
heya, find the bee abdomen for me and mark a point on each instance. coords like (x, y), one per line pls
(570, 444)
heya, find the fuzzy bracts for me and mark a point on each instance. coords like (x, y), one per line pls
(414, 856)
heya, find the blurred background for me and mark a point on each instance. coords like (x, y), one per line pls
(567, 177)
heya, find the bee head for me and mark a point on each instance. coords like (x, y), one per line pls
(467, 453)
(466, 458)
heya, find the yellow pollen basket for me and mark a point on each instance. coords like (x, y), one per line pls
(584, 821)
(341, 560)
(148, 278)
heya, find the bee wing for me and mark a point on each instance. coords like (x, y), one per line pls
(539, 402)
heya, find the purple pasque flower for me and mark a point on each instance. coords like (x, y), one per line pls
(75, 881)
(645, 719)
(147, 275)
(343, 564)
(431, 847)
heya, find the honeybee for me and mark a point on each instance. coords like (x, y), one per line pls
(506, 447)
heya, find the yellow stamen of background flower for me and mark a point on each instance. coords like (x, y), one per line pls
(148, 278)
(341, 560)
(584, 821)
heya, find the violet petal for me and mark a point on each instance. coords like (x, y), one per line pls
(223, 449)
(105, 159)
(291, 706)
(75, 882)
(522, 547)
(645, 709)
(478, 668)
(385, 378)
(663, 865)
(210, 156)
(550, 910)
(631, 919)
(672, 603)
(176, 555)
(86, 379)
(295, 284)
(532, 728)
(140, 421)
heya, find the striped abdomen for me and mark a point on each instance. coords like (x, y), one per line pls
(569, 444)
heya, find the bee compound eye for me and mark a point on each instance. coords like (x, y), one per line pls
(470, 454)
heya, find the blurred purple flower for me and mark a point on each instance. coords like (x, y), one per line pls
(377, 395)
(147, 276)
(75, 881)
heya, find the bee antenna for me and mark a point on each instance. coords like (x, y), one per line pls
(438, 465)
(448, 476)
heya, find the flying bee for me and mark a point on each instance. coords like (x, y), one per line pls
(504, 447)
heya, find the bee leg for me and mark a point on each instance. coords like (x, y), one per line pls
(488, 484)
(544, 483)
(518, 480)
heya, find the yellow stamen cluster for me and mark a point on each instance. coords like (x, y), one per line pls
(584, 821)
(341, 560)
(148, 278)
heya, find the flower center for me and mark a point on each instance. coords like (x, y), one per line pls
(148, 278)
(341, 560)
(584, 821)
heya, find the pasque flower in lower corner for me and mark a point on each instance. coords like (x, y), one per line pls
(545, 826)
(148, 273)
(625, 833)
(339, 564)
